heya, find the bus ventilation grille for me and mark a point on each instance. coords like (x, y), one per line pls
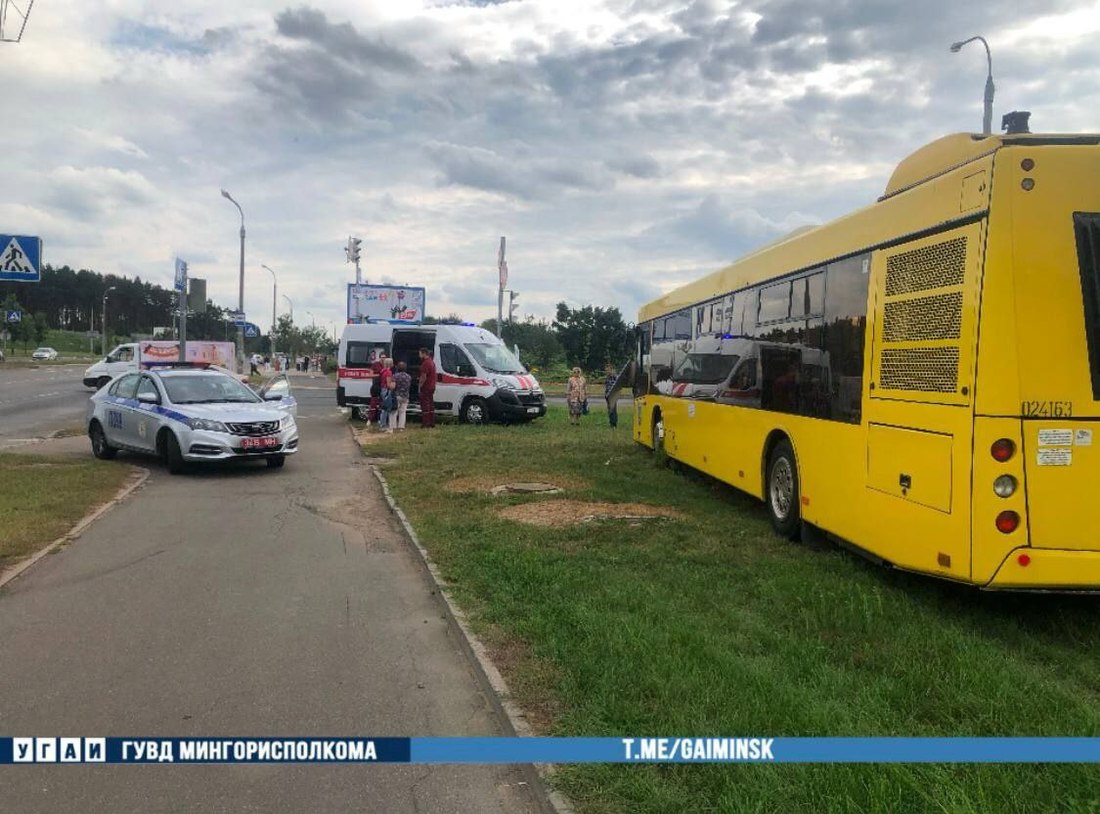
(922, 312)
(933, 370)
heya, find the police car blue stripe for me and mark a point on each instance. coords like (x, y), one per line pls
(174, 415)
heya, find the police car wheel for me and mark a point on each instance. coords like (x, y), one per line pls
(100, 448)
(172, 455)
(475, 411)
(276, 461)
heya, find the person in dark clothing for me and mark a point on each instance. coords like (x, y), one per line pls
(608, 386)
(427, 388)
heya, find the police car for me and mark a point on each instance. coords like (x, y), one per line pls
(191, 413)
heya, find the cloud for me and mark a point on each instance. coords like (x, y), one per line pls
(343, 41)
(529, 179)
(722, 230)
(96, 193)
(623, 146)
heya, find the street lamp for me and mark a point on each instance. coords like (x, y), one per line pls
(240, 291)
(103, 326)
(274, 299)
(291, 304)
(987, 116)
(312, 318)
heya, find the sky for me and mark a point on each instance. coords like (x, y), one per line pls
(623, 147)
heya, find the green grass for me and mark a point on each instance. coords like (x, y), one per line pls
(42, 498)
(712, 625)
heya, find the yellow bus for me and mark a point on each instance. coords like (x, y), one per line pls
(919, 379)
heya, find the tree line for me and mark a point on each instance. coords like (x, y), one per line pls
(590, 338)
(70, 300)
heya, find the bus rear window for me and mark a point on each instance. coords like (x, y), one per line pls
(1086, 226)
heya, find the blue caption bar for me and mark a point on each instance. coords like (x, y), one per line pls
(14, 750)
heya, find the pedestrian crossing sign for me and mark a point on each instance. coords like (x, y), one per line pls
(20, 258)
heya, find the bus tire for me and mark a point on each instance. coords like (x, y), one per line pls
(781, 491)
(658, 434)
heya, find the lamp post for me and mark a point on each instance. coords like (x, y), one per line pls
(103, 321)
(313, 318)
(290, 334)
(987, 116)
(274, 299)
(240, 290)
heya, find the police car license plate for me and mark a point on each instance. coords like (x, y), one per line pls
(259, 443)
(532, 409)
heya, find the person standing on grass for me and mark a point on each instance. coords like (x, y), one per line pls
(608, 386)
(376, 388)
(387, 400)
(402, 381)
(427, 388)
(576, 394)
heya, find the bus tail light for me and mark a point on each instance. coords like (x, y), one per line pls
(1008, 522)
(1002, 449)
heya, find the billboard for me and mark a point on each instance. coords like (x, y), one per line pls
(222, 354)
(385, 303)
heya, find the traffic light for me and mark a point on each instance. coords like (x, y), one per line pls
(352, 249)
(512, 306)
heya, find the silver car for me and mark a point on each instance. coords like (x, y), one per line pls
(188, 414)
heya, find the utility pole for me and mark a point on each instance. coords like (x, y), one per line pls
(181, 289)
(274, 299)
(240, 290)
(103, 321)
(502, 268)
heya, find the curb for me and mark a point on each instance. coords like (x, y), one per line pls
(137, 479)
(515, 722)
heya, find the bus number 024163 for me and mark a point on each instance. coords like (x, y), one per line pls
(1046, 409)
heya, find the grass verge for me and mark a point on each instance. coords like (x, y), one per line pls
(711, 625)
(43, 497)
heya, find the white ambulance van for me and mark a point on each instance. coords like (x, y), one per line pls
(477, 378)
(359, 349)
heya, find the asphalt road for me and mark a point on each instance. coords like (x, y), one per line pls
(37, 401)
(244, 601)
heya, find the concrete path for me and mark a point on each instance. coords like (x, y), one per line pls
(244, 601)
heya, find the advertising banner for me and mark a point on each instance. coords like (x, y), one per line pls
(222, 354)
(386, 303)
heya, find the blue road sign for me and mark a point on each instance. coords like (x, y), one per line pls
(181, 275)
(251, 331)
(20, 258)
(15, 316)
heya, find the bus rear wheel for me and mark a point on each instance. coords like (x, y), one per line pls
(658, 434)
(781, 491)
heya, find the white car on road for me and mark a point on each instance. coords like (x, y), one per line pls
(44, 353)
(187, 414)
